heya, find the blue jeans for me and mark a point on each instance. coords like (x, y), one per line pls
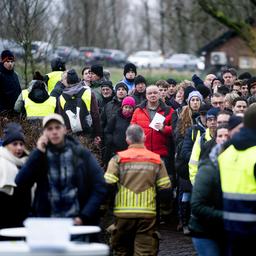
(206, 247)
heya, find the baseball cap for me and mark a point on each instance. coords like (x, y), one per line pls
(53, 117)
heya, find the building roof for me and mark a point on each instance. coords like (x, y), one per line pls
(217, 41)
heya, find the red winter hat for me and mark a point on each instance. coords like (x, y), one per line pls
(128, 101)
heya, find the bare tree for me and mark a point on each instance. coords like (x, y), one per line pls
(25, 19)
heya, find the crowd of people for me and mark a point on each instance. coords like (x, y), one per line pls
(191, 142)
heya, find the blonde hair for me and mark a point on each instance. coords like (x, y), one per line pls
(185, 120)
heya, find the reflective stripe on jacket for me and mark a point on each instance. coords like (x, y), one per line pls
(237, 173)
(138, 172)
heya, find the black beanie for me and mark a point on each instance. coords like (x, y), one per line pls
(12, 132)
(121, 84)
(7, 55)
(107, 84)
(245, 75)
(58, 64)
(72, 77)
(97, 70)
(130, 67)
(139, 79)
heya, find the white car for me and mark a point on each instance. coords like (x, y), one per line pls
(146, 59)
(182, 61)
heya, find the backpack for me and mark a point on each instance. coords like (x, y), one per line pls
(75, 112)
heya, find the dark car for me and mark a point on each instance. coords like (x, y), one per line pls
(112, 57)
(91, 55)
(68, 54)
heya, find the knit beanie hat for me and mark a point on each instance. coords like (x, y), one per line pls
(171, 81)
(187, 91)
(97, 70)
(251, 82)
(212, 112)
(194, 94)
(121, 84)
(234, 121)
(250, 117)
(245, 75)
(12, 131)
(7, 55)
(130, 67)
(140, 79)
(128, 101)
(204, 90)
(58, 64)
(72, 77)
(107, 84)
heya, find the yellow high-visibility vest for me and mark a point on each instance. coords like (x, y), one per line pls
(86, 97)
(194, 158)
(34, 109)
(54, 77)
(238, 185)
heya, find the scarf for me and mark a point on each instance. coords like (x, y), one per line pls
(9, 167)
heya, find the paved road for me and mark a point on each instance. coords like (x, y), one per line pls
(174, 243)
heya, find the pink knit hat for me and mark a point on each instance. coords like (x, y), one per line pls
(128, 101)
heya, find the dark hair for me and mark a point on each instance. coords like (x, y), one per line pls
(239, 99)
(221, 126)
(162, 83)
(85, 68)
(232, 71)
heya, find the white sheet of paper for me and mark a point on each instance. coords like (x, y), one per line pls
(158, 118)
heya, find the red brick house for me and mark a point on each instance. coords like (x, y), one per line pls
(228, 49)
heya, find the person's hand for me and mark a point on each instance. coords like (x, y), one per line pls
(42, 143)
(78, 221)
(159, 126)
(97, 140)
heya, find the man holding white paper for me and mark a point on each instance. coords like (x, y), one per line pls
(155, 118)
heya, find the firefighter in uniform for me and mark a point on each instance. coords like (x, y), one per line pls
(138, 173)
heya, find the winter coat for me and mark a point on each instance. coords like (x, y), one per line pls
(9, 88)
(88, 179)
(15, 202)
(206, 203)
(110, 109)
(115, 134)
(156, 141)
(190, 137)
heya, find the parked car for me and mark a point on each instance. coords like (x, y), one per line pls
(68, 54)
(182, 61)
(112, 57)
(42, 50)
(147, 59)
(11, 45)
(91, 55)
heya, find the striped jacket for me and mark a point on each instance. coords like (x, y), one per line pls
(138, 173)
